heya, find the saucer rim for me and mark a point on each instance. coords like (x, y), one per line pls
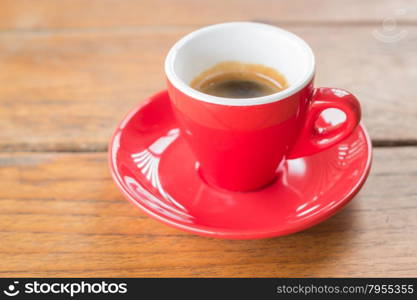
(221, 233)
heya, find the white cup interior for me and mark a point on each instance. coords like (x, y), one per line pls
(246, 42)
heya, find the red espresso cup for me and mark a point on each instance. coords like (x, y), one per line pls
(242, 144)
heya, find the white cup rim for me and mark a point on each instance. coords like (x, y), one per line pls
(178, 83)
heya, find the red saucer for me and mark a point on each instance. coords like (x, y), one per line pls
(155, 170)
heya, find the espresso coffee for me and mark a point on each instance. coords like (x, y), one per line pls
(231, 79)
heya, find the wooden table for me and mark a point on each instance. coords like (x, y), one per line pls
(69, 70)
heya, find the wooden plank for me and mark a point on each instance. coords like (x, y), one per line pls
(70, 14)
(63, 92)
(61, 215)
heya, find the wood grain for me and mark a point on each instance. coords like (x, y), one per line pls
(61, 215)
(70, 69)
(75, 14)
(66, 92)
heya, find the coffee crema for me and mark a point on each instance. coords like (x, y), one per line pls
(232, 79)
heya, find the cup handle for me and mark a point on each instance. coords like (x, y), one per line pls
(313, 139)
